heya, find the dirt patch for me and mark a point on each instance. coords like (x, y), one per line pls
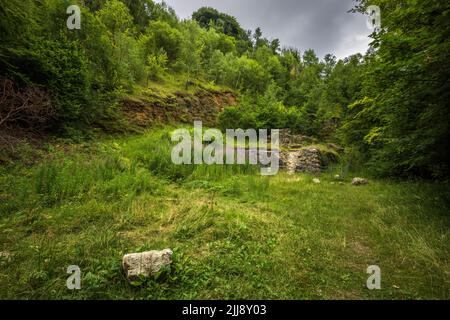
(359, 248)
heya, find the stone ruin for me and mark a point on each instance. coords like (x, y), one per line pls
(289, 140)
(304, 160)
(297, 155)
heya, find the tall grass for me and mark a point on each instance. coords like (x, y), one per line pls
(235, 234)
(153, 151)
(109, 170)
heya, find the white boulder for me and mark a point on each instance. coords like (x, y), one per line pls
(359, 181)
(146, 263)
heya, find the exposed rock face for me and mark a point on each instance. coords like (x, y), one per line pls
(146, 264)
(180, 107)
(298, 157)
(290, 161)
(289, 140)
(359, 181)
(305, 160)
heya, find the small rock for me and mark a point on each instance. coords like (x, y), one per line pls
(4, 255)
(316, 181)
(359, 181)
(146, 263)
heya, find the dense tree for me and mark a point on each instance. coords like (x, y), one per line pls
(212, 41)
(210, 17)
(406, 91)
(275, 46)
(161, 36)
(192, 47)
(389, 107)
(342, 86)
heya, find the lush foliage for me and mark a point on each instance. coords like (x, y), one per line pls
(235, 235)
(402, 121)
(388, 107)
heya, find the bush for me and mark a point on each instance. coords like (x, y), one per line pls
(161, 36)
(156, 64)
(61, 67)
(236, 117)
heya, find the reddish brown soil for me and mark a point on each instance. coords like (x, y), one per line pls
(180, 108)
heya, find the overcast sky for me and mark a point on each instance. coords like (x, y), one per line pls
(323, 25)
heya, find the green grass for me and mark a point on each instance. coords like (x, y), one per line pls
(235, 234)
(169, 84)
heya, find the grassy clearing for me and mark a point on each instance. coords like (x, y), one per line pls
(235, 234)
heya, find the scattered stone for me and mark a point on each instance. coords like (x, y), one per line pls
(316, 181)
(146, 263)
(4, 255)
(359, 181)
(337, 177)
(288, 140)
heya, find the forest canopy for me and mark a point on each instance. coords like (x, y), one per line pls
(389, 107)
